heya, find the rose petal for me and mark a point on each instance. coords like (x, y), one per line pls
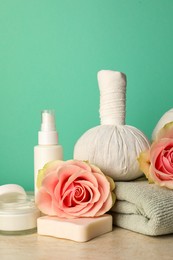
(40, 178)
(83, 209)
(86, 211)
(111, 182)
(104, 184)
(80, 194)
(160, 167)
(69, 174)
(159, 162)
(104, 189)
(50, 182)
(94, 168)
(167, 167)
(81, 164)
(76, 189)
(78, 207)
(78, 210)
(52, 166)
(158, 147)
(107, 205)
(168, 184)
(95, 191)
(162, 183)
(86, 196)
(60, 213)
(170, 156)
(158, 175)
(165, 132)
(96, 206)
(44, 202)
(64, 174)
(82, 176)
(144, 164)
(67, 198)
(48, 168)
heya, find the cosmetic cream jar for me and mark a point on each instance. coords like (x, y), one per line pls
(18, 213)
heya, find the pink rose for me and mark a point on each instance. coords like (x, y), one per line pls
(74, 189)
(157, 162)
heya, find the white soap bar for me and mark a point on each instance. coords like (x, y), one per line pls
(78, 229)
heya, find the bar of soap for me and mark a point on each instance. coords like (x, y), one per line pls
(78, 229)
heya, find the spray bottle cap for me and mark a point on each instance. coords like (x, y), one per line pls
(48, 134)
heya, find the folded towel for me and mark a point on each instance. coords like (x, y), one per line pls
(144, 208)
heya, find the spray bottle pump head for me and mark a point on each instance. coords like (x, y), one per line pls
(48, 120)
(48, 134)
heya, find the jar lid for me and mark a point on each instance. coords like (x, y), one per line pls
(17, 209)
(11, 192)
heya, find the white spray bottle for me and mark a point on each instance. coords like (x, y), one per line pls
(47, 149)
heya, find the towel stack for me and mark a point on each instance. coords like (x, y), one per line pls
(143, 208)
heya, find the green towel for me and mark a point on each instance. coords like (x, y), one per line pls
(143, 208)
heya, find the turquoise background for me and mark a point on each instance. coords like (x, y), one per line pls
(50, 53)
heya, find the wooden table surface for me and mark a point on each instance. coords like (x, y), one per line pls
(119, 244)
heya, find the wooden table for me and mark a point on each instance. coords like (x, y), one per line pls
(120, 244)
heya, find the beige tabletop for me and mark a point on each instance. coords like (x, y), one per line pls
(119, 244)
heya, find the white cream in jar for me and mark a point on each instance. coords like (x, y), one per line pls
(18, 212)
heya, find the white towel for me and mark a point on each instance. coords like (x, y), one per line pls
(143, 208)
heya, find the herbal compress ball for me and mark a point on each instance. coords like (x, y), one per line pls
(113, 146)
